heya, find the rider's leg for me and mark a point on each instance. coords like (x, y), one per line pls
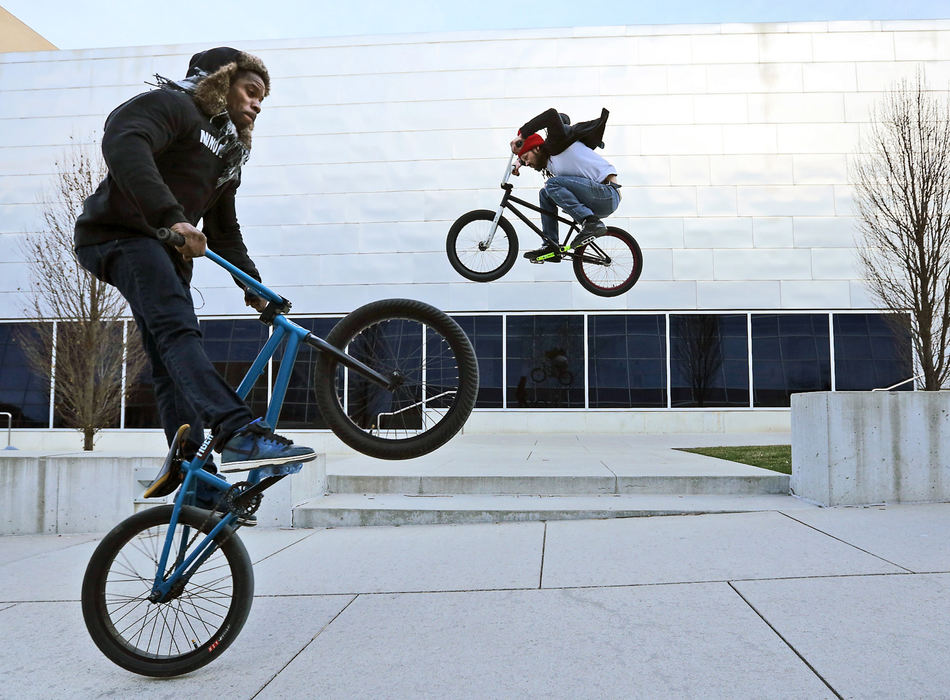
(143, 271)
(174, 410)
(548, 215)
(548, 230)
(585, 201)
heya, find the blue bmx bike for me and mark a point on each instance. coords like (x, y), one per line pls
(169, 588)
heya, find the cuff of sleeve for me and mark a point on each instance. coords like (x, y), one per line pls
(172, 217)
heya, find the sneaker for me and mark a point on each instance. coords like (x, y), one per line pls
(547, 248)
(256, 445)
(593, 227)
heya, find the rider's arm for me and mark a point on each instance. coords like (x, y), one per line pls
(550, 120)
(134, 133)
(221, 226)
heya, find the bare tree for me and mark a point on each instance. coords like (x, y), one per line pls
(699, 352)
(87, 345)
(902, 193)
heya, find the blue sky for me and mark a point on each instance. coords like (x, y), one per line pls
(101, 23)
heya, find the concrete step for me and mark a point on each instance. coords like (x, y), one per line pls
(347, 510)
(559, 484)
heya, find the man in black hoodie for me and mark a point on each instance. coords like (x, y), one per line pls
(174, 157)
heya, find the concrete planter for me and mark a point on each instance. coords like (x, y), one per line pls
(859, 448)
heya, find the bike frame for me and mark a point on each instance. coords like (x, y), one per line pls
(284, 331)
(508, 202)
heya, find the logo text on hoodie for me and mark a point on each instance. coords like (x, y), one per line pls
(212, 143)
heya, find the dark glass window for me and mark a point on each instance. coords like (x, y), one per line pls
(790, 354)
(141, 411)
(485, 332)
(871, 352)
(545, 361)
(232, 346)
(627, 361)
(709, 360)
(24, 391)
(300, 407)
(88, 353)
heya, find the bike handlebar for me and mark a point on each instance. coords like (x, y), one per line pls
(166, 235)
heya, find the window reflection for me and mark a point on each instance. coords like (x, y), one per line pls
(24, 393)
(790, 354)
(232, 345)
(871, 351)
(709, 360)
(485, 334)
(545, 361)
(627, 361)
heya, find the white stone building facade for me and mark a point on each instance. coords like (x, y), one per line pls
(732, 143)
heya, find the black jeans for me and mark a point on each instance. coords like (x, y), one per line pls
(188, 389)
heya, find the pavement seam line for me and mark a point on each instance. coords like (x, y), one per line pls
(91, 538)
(860, 549)
(544, 542)
(312, 639)
(786, 642)
(278, 551)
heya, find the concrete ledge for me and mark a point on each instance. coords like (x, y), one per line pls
(91, 491)
(858, 448)
(357, 510)
(554, 485)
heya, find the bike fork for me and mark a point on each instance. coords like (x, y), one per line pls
(494, 227)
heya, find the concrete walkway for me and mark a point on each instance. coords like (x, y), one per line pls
(803, 603)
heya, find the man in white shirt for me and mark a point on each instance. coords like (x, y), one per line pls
(579, 181)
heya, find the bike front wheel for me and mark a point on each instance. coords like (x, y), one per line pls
(196, 624)
(435, 379)
(470, 252)
(610, 264)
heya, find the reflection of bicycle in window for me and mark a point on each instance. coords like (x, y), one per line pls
(168, 589)
(482, 246)
(554, 365)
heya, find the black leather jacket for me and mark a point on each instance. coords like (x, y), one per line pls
(561, 135)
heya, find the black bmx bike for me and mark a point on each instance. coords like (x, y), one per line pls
(482, 246)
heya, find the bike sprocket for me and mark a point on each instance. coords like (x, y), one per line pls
(239, 504)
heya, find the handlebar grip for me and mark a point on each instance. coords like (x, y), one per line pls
(166, 235)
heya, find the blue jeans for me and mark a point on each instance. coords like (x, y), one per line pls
(188, 389)
(579, 197)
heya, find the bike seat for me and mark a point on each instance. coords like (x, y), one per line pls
(169, 476)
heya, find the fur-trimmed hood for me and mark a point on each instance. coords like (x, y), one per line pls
(209, 78)
(214, 70)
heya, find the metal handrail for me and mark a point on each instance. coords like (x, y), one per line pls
(9, 424)
(893, 386)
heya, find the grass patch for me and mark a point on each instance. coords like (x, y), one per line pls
(778, 458)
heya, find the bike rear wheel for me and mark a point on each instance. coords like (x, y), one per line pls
(191, 629)
(610, 264)
(468, 249)
(437, 374)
